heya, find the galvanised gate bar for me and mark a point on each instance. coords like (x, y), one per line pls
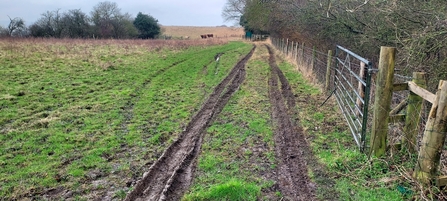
(352, 85)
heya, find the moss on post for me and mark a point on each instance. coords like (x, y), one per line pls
(384, 90)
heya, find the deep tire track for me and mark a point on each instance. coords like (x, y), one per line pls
(170, 176)
(290, 144)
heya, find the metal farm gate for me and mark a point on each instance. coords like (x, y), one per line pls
(352, 84)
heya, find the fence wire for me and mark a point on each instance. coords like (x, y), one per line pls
(313, 63)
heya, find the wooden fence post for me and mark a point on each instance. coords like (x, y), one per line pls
(303, 54)
(413, 116)
(361, 88)
(434, 137)
(286, 51)
(328, 70)
(314, 56)
(296, 51)
(384, 90)
(292, 48)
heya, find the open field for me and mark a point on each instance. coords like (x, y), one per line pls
(162, 120)
(195, 32)
(85, 117)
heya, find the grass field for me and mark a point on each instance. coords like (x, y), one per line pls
(195, 32)
(74, 113)
(83, 120)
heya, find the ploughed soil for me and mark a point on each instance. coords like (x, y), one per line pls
(171, 175)
(290, 143)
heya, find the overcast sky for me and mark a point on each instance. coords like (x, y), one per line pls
(168, 12)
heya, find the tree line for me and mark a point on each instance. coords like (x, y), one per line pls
(106, 20)
(417, 28)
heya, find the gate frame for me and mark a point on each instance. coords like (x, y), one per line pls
(366, 98)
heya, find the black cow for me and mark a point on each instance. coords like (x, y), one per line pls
(203, 36)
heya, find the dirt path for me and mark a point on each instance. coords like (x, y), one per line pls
(170, 176)
(290, 143)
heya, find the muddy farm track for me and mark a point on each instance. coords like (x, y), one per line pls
(292, 175)
(170, 176)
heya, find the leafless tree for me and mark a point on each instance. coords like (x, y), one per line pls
(15, 25)
(233, 10)
(109, 21)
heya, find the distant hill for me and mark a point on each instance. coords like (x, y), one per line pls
(195, 32)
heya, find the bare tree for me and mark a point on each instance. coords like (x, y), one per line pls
(233, 10)
(3, 32)
(75, 24)
(49, 25)
(110, 22)
(15, 25)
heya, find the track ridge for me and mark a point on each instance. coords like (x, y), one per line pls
(290, 144)
(127, 109)
(170, 176)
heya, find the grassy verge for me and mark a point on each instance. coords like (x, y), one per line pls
(237, 154)
(351, 175)
(86, 119)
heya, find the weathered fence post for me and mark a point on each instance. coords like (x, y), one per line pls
(413, 116)
(303, 54)
(328, 70)
(292, 48)
(434, 137)
(286, 51)
(384, 90)
(296, 51)
(314, 56)
(361, 88)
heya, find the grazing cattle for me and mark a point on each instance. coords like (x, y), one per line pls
(203, 36)
(209, 35)
(186, 37)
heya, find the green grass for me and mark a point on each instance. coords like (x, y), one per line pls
(230, 167)
(341, 170)
(233, 190)
(69, 110)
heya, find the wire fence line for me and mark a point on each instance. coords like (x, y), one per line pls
(383, 114)
(346, 70)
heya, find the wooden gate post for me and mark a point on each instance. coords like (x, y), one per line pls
(328, 71)
(382, 103)
(413, 116)
(434, 137)
(361, 89)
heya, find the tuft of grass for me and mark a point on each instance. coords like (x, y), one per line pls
(233, 190)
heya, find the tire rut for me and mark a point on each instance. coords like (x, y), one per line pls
(127, 109)
(170, 176)
(290, 144)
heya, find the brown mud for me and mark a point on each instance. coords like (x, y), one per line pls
(290, 143)
(170, 176)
